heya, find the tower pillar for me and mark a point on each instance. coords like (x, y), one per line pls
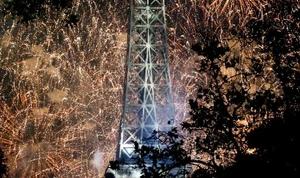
(148, 103)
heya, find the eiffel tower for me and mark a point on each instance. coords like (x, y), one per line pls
(148, 102)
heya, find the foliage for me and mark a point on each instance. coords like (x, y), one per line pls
(166, 156)
(241, 94)
(273, 142)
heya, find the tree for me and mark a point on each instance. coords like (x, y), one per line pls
(166, 156)
(276, 142)
(272, 100)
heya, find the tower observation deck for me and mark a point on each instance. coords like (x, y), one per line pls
(148, 103)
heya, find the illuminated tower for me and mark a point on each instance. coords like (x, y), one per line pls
(148, 103)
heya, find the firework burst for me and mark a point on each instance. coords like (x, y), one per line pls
(39, 142)
(60, 93)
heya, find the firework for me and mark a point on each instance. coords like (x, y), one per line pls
(62, 95)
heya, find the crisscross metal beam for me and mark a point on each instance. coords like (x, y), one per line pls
(148, 103)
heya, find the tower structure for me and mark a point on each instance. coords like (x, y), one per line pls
(148, 103)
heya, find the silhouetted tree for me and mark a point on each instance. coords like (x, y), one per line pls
(274, 142)
(277, 141)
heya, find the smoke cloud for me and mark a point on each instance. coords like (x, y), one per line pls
(97, 160)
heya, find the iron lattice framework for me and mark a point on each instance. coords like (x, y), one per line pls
(148, 103)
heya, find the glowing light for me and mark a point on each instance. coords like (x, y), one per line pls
(97, 160)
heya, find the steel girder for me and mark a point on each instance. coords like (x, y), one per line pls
(148, 103)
